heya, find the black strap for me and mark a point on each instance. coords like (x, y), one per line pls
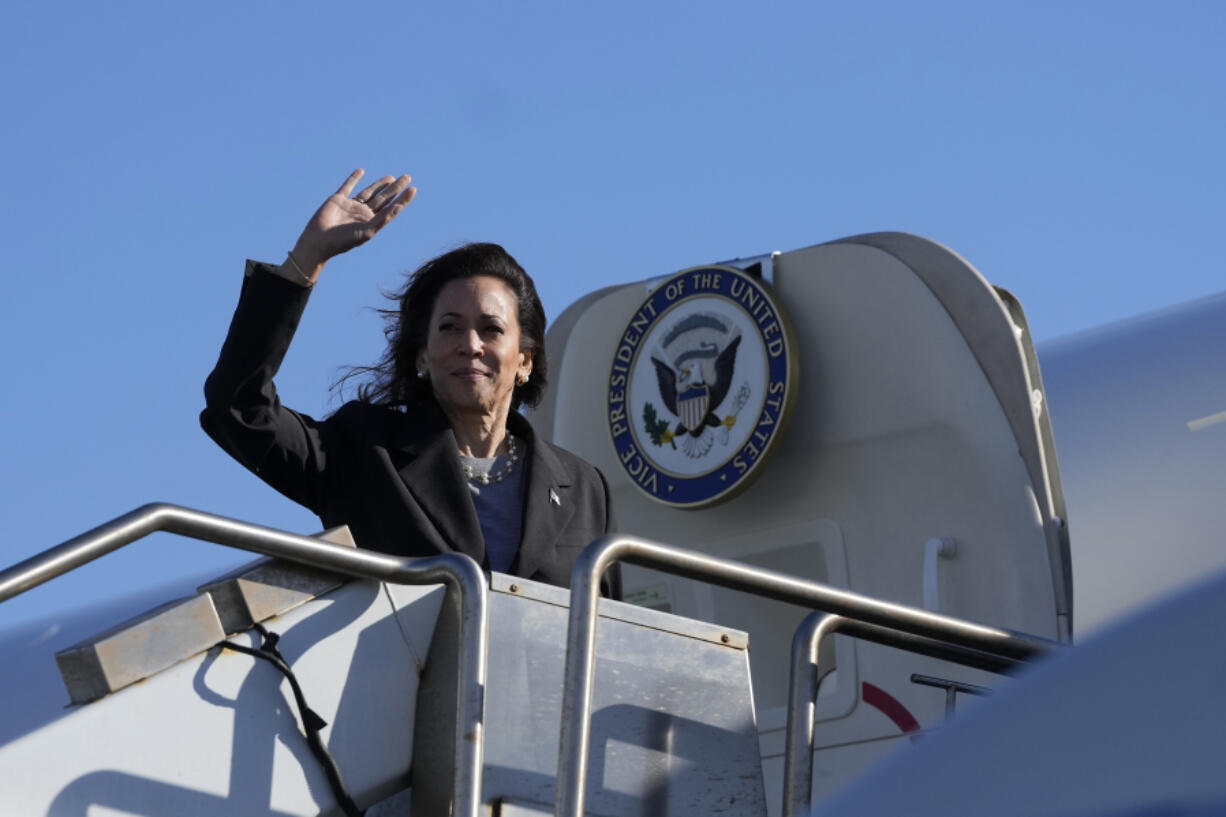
(310, 719)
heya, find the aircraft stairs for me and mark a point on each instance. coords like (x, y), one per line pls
(444, 690)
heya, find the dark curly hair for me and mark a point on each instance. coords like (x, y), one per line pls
(391, 380)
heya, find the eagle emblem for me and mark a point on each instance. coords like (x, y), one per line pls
(695, 364)
(695, 424)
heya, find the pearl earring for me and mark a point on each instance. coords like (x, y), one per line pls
(421, 374)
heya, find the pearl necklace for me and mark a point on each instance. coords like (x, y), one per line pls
(490, 479)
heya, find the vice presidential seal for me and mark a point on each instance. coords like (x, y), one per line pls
(701, 386)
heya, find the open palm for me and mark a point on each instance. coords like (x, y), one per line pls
(344, 221)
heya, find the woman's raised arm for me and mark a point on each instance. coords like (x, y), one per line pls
(242, 411)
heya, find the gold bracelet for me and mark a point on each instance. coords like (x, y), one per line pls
(306, 279)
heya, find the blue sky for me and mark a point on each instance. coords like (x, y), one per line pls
(1070, 151)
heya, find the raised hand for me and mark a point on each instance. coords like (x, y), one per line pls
(344, 221)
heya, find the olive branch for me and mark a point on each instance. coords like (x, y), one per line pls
(656, 428)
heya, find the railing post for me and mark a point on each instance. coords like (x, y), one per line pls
(802, 712)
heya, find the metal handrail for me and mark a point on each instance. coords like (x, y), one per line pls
(581, 633)
(804, 678)
(457, 571)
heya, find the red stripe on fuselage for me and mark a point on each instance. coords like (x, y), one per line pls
(890, 706)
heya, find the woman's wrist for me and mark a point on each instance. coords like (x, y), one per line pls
(302, 264)
(291, 270)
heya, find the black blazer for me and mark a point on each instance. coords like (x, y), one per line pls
(392, 476)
